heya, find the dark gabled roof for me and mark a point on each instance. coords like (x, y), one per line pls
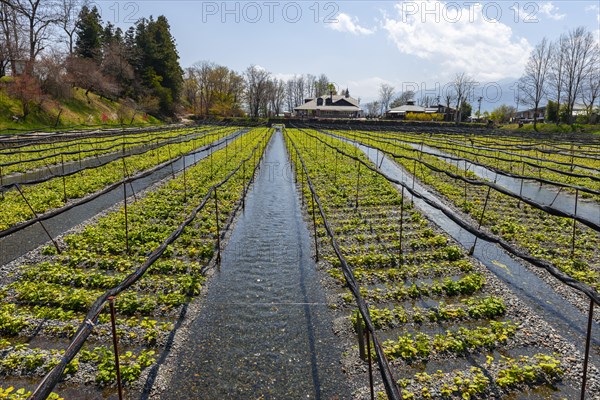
(339, 103)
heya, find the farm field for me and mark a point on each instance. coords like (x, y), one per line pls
(46, 299)
(440, 322)
(448, 326)
(572, 248)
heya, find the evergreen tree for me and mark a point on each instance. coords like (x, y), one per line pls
(89, 34)
(108, 33)
(552, 111)
(158, 63)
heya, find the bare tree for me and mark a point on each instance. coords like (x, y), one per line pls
(462, 86)
(86, 74)
(52, 74)
(402, 99)
(532, 85)
(190, 91)
(256, 88)
(579, 56)
(276, 95)
(26, 89)
(310, 82)
(289, 95)
(373, 109)
(38, 16)
(67, 17)
(591, 87)
(386, 92)
(213, 89)
(12, 44)
(299, 90)
(426, 101)
(321, 85)
(556, 72)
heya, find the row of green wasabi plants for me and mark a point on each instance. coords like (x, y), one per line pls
(44, 153)
(48, 299)
(542, 235)
(449, 328)
(56, 192)
(534, 160)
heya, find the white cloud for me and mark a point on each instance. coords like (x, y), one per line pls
(346, 23)
(460, 40)
(551, 11)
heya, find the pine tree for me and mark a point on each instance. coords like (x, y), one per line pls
(89, 34)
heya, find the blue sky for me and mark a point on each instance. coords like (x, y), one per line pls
(361, 44)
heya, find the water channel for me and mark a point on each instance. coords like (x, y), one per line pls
(264, 331)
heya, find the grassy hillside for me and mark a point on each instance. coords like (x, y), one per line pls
(80, 112)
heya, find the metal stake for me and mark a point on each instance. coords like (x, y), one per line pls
(574, 224)
(315, 228)
(361, 336)
(126, 223)
(357, 185)
(111, 303)
(587, 349)
(370, 365)
(62, 160)
(218, 228)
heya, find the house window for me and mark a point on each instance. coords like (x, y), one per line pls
(320, 101)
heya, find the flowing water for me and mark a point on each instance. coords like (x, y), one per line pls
(541, 297)
(569, 321)
(561, 200)
(27, 239)
(264, 331)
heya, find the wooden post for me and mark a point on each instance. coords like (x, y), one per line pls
(244, 185)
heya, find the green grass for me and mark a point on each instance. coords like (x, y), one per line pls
(79, 112)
